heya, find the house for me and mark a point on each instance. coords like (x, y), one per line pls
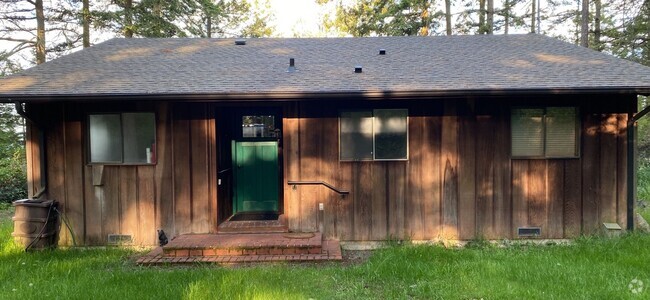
(362, 139)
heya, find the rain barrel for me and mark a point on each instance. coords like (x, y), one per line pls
(36, 223)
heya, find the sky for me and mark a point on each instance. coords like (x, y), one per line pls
(295, 16)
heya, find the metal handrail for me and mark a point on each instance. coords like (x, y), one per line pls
(327, 185)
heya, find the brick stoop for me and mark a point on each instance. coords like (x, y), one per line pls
(242, 248)
(331, 251)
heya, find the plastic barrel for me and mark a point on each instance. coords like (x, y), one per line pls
(36, 223)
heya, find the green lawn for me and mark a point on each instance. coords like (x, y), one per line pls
(590, 269)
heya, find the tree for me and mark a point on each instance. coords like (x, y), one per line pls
(584, 24)
(384, 18)
(183, 18)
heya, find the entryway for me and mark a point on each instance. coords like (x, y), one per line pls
(255, 141)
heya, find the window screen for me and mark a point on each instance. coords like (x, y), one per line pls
(380, 134)
(122, 138)
(544, 132)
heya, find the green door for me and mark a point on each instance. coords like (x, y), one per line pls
(256, 176)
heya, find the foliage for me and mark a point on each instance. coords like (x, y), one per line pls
(383, 18)
(590, 269)
(183, 18)
(13, 184)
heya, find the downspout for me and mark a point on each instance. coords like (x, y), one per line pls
(41, 140)
(631, 166)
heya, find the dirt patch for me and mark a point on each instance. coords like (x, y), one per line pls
(356, 257)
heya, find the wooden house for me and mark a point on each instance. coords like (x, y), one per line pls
(362, 139)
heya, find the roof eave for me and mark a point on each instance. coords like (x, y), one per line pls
(290, 96)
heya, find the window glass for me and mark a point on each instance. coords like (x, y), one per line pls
(122, 138)
(544, 132)
(390, 128)
(105, 138)
(258, 126)
(527, 132)
(139, 137)
(356, 135)
(561, 133)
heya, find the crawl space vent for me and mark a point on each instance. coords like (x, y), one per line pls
(529, 231)
(120, 239)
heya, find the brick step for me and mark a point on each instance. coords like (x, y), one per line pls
(243, 244)
(269, 226)
(331, 251)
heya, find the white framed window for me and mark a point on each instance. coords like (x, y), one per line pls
(379, 134)
(548, 132)
(122, 138)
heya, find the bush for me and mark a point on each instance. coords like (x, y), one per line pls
(13, 177)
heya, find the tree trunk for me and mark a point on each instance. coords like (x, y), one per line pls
(208, 26)
(584, 24)
(86, 23)
(40, 32)
(424, 30)
(533, 16)
(481, 17)
(128, 18)
(597, 30)
(506, 16)
(490, 16)
(448, 15)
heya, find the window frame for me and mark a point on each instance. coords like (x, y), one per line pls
(578, 130)
(120, 114)
(374, 152)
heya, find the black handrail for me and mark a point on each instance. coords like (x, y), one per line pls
(329, 186)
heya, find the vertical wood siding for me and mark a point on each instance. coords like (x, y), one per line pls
(458, 183)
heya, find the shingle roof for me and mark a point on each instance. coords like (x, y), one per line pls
(218, 67)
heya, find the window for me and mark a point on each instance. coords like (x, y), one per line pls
(259, 127)
(380, 134)
(128, 138)
(550, 132)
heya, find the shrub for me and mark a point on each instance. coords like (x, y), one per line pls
(13, 177)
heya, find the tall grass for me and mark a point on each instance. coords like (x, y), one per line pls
(590, 269)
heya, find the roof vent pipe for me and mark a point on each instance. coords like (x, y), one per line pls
(240, 42)
(358, 69)
(292, 65)
(382, 51)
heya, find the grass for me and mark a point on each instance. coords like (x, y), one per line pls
(590, 269)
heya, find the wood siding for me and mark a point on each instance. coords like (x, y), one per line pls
(458, 183)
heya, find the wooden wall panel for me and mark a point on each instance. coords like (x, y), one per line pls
(310, 152)
(485, 177)
(449, 171)
(397, 184)
(199, 169)
(182, 170)
(414, 205)
(110, 195)
(213, 168)
(572, 216)
(329, 172)
(607, 181)
(537, 202)
(621, 170)
(431, 184)
(502, 176)
(164, 169)
(362, 197)
(291, 163)
(146, 206)
(555, 199)
(519, 194)
(379, 212)
(55, 153)
(74, 172)
(590, 169)
(128, 201)
(467, 173)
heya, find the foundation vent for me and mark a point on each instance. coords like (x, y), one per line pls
(529, 231)
(120, 239)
